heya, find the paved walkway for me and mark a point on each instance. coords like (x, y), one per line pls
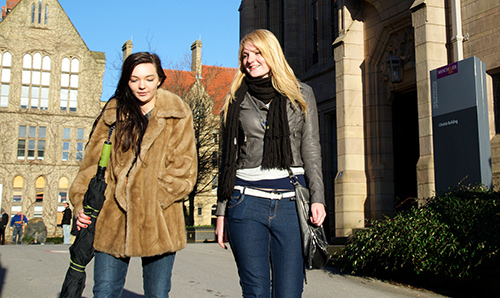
(201, 270)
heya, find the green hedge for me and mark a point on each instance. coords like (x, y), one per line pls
(455, 236)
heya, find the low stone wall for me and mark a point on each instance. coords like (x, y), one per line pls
(200, 234)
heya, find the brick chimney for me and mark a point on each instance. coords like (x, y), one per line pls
(127, 49)
(196, 58)
(8, 7)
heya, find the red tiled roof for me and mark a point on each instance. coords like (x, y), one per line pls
(215, 79)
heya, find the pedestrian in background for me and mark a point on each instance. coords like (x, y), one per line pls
(270, 126)
(3, 225)
(153, 166)
(17, 222)
(66, 222)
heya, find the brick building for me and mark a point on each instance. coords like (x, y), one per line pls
(51, 85)
(376, 131)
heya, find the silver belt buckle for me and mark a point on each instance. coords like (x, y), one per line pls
(276, 195)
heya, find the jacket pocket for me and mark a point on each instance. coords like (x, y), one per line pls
(170, 189)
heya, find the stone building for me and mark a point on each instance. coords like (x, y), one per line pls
(204, 89)
(376, 130)
(50, 95)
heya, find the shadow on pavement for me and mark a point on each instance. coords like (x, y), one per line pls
(125, 294)
(486, 287)
(128, 294)
(3, 273)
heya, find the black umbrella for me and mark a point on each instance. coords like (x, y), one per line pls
(82, 250)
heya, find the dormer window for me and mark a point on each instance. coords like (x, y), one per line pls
(36, 14)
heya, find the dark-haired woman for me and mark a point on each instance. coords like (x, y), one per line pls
(270, 126)
(152, 167)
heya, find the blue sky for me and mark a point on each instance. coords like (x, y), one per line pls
(165, 27)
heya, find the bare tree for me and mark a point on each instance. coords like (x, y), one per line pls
(204, 94)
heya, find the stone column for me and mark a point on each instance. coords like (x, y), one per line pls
(428, 18)
(350, 183)
(127, 49)
(196, 58)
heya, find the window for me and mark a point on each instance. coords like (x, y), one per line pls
(63, 190)
(215, 180)
(40, 187)
(36, 16)
(215, 159)
(38, 211)
(200, 209)
(69, 84)
(496, 101)
(5, 65)
(39, 11)
(31, 142)
(315, 33)
(79, 143)
(33, 13)
(17, 189)
(215, 134)
(66, 143)
(35, 82)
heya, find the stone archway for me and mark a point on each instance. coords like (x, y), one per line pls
(391, 113)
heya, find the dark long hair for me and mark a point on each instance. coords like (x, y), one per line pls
(130, 121)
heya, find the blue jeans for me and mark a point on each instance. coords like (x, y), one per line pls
(265, 239)
(110, 273)
(17, 233)
(66, 236)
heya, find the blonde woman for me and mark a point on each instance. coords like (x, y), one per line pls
(270, 125)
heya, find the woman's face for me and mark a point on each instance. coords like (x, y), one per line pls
(144, 82)
(253, 62)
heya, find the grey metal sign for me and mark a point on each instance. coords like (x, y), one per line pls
(462, 153)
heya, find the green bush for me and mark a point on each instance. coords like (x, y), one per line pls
(454, 236)
(28, 239)
(55, 240)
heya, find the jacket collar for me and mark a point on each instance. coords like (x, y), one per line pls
(247, 104)
(168, 105)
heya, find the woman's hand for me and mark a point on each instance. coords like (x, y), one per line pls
(318, 214)
(220, 231)
(82, 220)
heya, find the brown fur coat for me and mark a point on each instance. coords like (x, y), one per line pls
(143, 216)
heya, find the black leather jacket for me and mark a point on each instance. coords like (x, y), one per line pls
(304, 137)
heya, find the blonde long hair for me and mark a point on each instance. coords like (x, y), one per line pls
(282, 76)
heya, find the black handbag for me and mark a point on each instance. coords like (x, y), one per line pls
(314, 243)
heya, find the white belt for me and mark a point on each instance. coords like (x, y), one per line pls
(273, 195)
